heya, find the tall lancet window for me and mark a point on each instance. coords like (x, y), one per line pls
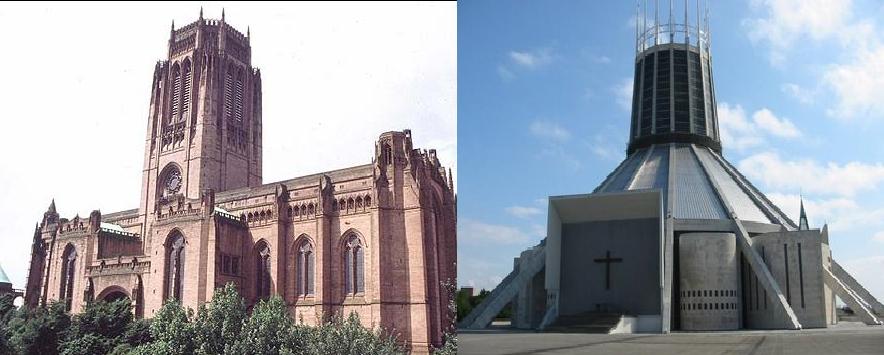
(305, 268)
(238, 96)
(186, 89)
(354, 279)
(262, 270)
(228, 94)
(68, 266)
(175, 266)
(176, 91)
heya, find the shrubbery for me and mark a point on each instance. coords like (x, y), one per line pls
(222, 326)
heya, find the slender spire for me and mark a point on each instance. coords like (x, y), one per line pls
(687, 24)
(248, 31)
(222, 14)
(52, 206)
(201, 12)
(671, 27)
(173, 25)
(802, 220)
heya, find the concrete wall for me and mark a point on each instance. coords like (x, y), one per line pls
(634, 281)
(709, 281)
(802, 285)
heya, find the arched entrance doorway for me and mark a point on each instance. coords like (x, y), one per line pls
(113, 293)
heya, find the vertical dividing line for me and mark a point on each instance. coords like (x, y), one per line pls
(801, 274)
(786, 262)
(764, 258)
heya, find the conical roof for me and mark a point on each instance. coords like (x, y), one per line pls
(697, 179)
(3, 277)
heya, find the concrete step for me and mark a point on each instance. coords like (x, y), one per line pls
(590, 322)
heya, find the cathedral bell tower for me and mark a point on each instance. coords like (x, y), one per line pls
(204, 124)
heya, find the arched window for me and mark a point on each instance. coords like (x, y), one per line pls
(185, 90)
(354, 279)
(387, 153)
(170, 180)
(174, 266)
(262, 270)
(68, 266)
(305, 268)
(176, 91)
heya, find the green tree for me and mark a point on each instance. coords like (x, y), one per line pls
(267, 330)
(104, 319)
(219, 324)
(172, 331)
(39, 331)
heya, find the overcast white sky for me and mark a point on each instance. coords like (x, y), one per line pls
(76, 80)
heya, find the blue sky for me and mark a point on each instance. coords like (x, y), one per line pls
(543, 97)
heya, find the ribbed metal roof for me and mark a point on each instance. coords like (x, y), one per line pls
(686, 172)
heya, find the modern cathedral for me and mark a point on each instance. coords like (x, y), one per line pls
(377, 239)
(675, 238)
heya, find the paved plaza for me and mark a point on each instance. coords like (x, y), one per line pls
(853, 338)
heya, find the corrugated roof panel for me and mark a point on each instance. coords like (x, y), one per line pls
(654, 173)
(694, 196)
(743, 205)
(620, 181)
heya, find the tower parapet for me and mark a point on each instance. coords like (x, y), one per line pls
(673, 97)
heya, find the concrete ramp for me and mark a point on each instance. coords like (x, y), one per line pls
(506, 291)
(849, 296)
(864, 294)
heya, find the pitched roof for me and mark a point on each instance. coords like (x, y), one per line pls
(690, 184)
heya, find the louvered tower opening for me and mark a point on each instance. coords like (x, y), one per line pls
(673, 95)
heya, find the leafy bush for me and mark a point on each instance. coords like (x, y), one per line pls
(222, 326)
(341, 336)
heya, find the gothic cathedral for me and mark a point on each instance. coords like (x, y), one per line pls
(377, 239)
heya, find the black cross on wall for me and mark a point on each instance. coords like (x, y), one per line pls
(608, 260)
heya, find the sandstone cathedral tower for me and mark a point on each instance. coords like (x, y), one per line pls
(675, 238)
(377, 239)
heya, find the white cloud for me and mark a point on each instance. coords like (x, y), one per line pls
(602, 146)
(505, 74)
(532, 59)
(826, 179)
(785, 22)
(835, 211)
(602, 59)
(475, 231)
(780, 127)
(801, 94)
(858, 85)
(739, 133)
(623, 93)
(523, 212)
(736, 131)
(878, 237)
(549, 131)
